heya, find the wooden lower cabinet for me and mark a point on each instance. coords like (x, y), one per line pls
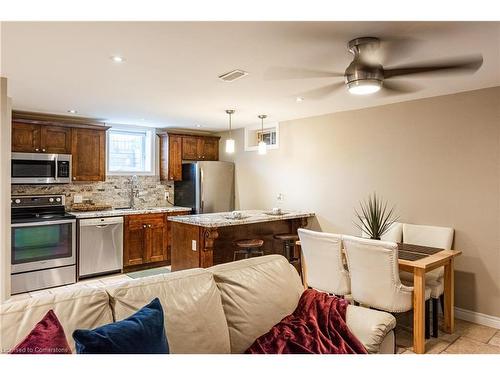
(145, 239)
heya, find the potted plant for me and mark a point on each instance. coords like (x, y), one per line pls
(375, 219)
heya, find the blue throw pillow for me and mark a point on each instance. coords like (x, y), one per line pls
(141, 333)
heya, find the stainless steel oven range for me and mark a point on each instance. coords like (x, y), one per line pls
(43, 243)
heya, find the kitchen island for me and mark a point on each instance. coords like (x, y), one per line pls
(205, 240)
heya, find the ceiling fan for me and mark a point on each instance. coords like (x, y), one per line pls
(365, 75)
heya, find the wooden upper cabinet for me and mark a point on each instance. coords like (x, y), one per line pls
(41, 138)
(190, 148)
(174, 148)
(174, 158)
(55, 139)
(25, 137)
(209, 148)
(89, 153)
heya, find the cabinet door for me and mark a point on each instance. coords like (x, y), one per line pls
(134, 244)
(89, 152)
(156, 238)
(25, 137)
(174, 158)
(209, 148)
(55, 139)
(190, 149)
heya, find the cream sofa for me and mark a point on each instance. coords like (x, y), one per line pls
(222, 309)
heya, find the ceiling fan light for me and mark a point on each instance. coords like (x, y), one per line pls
(230, 146)
(364, 86)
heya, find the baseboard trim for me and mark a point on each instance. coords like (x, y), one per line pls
(476, 317)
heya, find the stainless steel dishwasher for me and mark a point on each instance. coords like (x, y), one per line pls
(101, 246)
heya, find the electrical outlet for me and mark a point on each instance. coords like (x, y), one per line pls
(280, 197)
(77, 198)
(167, 195)
(193, 245)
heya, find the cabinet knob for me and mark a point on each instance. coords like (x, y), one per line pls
(144, 225)
(43, 150)
(37, 149)
(149, 226)
(74, 178)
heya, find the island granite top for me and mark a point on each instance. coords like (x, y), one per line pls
(223, 219)
(128, 211)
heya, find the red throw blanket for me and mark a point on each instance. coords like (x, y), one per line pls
(317, 326)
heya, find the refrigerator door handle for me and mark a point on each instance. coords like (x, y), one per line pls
(202, 202)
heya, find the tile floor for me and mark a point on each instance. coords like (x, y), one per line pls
(468, 338)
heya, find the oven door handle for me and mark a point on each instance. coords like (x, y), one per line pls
(42, 223)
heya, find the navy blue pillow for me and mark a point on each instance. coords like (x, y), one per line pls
(141, 333)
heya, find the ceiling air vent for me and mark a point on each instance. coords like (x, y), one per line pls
(233, 75)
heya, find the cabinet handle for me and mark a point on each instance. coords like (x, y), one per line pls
(144, 225)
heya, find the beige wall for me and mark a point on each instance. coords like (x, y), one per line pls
(437, 159)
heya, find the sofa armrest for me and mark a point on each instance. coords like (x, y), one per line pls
(369, 326)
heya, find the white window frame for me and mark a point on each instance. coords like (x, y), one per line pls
(249, 129)
(151, 142)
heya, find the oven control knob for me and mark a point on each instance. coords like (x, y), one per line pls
(58, 199)
(17, 201)
(51, 200)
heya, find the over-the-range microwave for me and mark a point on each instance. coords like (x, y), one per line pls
(34, 168)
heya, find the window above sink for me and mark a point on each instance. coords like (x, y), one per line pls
(130, 151)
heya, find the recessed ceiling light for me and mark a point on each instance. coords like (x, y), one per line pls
(73, 111)
(117, 59)
(299, 99)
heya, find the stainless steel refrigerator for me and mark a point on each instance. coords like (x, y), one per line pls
(206, 186)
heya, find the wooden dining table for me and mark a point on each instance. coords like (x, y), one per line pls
(419, 260)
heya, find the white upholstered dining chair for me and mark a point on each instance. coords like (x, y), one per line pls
(323, 262)
(374, 271)
(431, 236)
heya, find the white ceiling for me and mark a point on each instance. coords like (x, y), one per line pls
(170, 74)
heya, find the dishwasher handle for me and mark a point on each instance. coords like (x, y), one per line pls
(101, 222)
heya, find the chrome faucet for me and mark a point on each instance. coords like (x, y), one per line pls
(134, 191)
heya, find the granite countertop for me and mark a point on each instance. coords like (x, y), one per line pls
(221, 219)
(122, 212)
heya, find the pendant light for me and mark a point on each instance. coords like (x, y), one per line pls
(262, 145)
(230, 140)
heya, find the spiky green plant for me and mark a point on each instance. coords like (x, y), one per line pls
(375, 219)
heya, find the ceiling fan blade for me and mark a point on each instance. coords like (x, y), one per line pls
(464, 64)
(395, 88)
(322, 92)
(281, 73)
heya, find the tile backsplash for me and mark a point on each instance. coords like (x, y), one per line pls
(114, 191)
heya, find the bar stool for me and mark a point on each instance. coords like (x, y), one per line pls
(288, 240)
(248, 248)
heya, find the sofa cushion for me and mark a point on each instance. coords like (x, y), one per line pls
(47, 337)
(256, 294)
(369, 326)
(82, 307)
(141, 333)
(194, 318)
